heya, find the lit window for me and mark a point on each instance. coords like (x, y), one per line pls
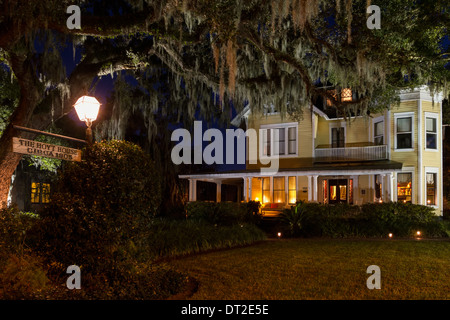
(404, 187)
(40, 192)
(404, 133)
(266, 189)
(292, 182)
(278, 189)
(346, 94)
(431, 189)
(431, 133)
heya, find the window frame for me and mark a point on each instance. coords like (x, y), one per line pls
(336, 125)
(374, 136)
(436, 117)
(40, 194)
(401, 116)
(435, 171)
(263, 132)
(410, 171)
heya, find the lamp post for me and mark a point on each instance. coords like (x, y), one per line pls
(87, 110)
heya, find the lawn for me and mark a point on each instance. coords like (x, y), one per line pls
(294, 269)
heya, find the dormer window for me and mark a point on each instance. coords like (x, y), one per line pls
(346, 96)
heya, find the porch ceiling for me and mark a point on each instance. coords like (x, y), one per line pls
(306, 166)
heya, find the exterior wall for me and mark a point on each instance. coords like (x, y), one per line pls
(304, 137)
(420, 160)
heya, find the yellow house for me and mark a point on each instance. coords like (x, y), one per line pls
(392, 156)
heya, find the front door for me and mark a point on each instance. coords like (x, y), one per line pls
(338, 190)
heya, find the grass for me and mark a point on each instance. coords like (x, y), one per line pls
(295, 269)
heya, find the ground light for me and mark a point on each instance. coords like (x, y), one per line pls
(279, 235)
(87, 110)
(390, 235)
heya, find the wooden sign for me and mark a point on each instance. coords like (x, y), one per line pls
(42, 149)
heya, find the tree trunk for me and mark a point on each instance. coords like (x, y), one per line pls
(29, 97)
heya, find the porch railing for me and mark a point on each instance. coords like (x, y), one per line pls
(362, 153)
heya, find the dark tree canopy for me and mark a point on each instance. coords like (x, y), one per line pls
(193, 57)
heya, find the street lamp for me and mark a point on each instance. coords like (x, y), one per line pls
(87, 110)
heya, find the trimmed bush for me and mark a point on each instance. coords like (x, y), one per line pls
(370, 220)
(171, 238)
(224, 213)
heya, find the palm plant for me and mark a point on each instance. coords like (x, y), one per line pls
(293, 218)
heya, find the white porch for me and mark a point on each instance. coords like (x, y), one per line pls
(288, 186)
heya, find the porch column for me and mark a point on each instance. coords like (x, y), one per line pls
(245, 190)
(390, 184)
(218, 191)
(192, 190)
(250, 189)
(383, 188)
(309, 189)
(315, 194)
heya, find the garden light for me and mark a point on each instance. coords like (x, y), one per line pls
(390, 235)
(279, 235)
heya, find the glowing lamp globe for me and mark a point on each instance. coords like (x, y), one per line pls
(87, 108)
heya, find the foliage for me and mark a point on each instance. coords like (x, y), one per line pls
(224, 213)
(100, 212)
(169, 238)
(14, 227)
(9, 96)
(370, 220)
(23, 277)
(293, 218)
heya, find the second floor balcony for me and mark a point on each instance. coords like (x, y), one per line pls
(365, 151)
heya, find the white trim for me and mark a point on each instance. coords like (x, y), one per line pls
(438, 187)
(387, 127)
(237, 175)
(419, 151)
(441, 179)
(404, 115)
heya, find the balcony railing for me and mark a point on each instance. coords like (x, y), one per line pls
(351, 153)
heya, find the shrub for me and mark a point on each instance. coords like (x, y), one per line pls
(14, 227)
(22, 277)
(370, 220)
(101, 209)
(170, 238)
(293, 218)
(223, 213)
